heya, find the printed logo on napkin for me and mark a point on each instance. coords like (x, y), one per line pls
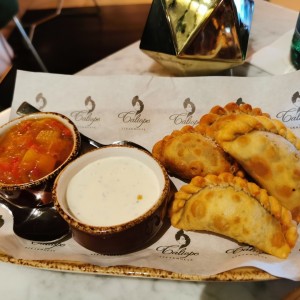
(291, 116)
(44, 246)
(244, 250)
(180, 249)
(133, 119)
(86, 117)
(186, 117)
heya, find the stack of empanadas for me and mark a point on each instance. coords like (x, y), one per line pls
(264, 147)
(218, 199)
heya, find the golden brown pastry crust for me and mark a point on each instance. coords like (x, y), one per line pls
(187, 153)
(229, 109)
(236, 208)
(264, 147)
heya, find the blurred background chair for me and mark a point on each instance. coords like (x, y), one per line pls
(8, 12)
(34, 24)
(59, 6)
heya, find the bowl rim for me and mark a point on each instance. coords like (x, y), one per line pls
(74, 152)
(106, 230)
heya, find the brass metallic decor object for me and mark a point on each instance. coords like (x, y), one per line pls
(198, 37)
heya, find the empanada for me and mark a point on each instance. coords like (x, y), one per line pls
(187, 153)
(264, 147)
(236, 208)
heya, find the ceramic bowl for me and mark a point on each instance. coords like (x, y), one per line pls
(100, 214)
(12, 189)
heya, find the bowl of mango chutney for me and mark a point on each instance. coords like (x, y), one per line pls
(34, 148)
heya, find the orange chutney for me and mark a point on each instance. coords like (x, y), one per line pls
(32, 149)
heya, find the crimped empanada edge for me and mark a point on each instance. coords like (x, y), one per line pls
(271, 204)
(232, 107)
(249, 119)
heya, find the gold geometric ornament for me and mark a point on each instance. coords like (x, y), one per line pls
(198, 37)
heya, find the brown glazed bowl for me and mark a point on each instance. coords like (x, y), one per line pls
(12, 190)
(126, 233)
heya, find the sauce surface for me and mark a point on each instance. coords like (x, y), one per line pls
(32, 149)
(112, 191)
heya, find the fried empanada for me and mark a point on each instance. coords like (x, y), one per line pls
(232, 206)
(187, 153)
(264, 147)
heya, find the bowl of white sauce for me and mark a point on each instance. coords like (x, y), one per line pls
(114, 199)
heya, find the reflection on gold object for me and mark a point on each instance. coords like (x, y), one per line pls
(197, 37)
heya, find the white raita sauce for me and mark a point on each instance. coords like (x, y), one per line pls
(112, 191)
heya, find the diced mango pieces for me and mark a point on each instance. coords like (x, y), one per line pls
(42, 163)
(47, 136)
